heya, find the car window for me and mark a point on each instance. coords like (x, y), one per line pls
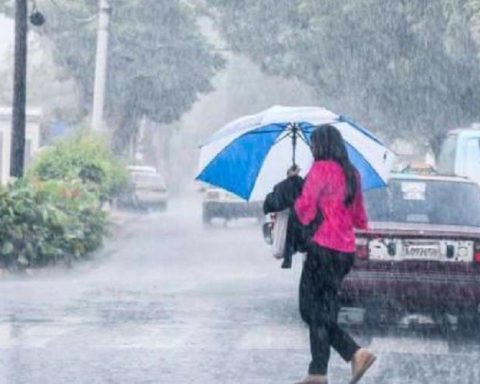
(147, 178)
(425, 201)
(473, 159)
(446, 158)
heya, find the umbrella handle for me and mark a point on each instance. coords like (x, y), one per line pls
(294, 129)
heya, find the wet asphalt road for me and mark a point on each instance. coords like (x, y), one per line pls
(170, 301)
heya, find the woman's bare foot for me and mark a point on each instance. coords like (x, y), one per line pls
(362, 360)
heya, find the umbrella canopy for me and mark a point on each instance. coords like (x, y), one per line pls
(250, 155)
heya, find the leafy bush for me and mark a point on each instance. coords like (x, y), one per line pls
(47, 222)
(85, 157)
(54, 214)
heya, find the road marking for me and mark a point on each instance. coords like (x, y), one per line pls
(275, 337)
(297, 338)
(197, 336)
(409, 345)
(20, 335)
(143, 336)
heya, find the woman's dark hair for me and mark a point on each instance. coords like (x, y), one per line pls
(327, 144)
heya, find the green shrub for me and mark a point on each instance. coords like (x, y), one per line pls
(85, 157)
(54, 214)
(42, 223)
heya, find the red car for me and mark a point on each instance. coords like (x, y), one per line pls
(422, 250)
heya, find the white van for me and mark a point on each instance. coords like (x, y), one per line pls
(460, 153)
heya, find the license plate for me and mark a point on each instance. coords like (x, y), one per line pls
(422, 252)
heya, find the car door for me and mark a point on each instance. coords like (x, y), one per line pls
(447, 158)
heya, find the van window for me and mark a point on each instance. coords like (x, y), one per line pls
(147, 178)
(472, 165)
(446, 159)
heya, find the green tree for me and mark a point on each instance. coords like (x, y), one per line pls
(405, 68)
(6, 6)
(158, 60)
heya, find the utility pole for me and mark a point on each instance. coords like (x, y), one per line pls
(17, 154)
(101, 65)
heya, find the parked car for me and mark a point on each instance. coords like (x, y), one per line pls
(218, 203)
(147, 190)
(422, 249)
(460, 153)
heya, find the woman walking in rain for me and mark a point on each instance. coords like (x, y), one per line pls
(332, 189)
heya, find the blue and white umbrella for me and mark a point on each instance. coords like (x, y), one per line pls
(250, 155)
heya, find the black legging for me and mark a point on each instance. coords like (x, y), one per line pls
(322, 276)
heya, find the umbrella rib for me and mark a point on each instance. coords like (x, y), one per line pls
(263, 131)
(303, 138)
(281, 139)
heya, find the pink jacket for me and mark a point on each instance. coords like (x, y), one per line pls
(324, 190)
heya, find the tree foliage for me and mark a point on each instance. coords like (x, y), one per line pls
(6, 6)
(158, 60)
(85, 157)
(406, 68)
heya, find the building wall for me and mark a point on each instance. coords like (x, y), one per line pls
(32, 138)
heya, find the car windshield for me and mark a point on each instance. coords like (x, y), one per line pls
(425, 201)
(147, 178)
